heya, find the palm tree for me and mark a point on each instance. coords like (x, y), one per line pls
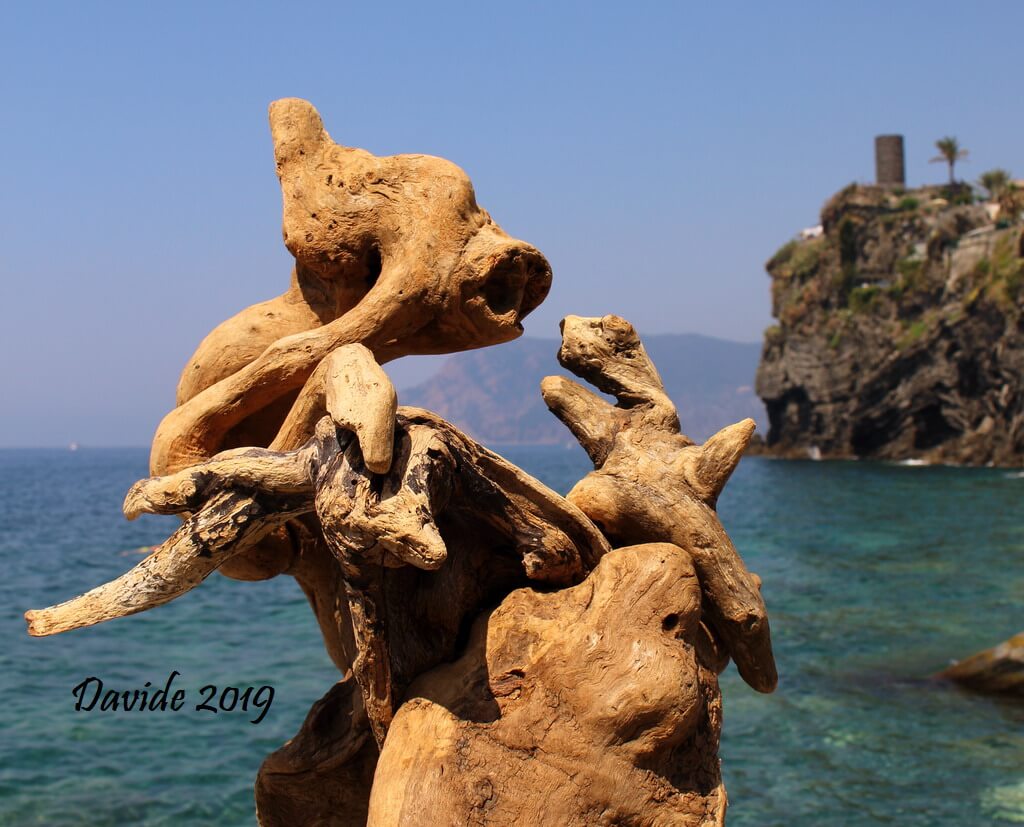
(950, 152)
(994, 182)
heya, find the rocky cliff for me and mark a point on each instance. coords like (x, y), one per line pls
(900, 332)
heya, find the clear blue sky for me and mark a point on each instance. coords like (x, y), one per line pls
(658, 153)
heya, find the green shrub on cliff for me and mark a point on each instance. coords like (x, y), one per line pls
(807, 258)
(959, 196)
(797, 260)
(781, 258)
(1011, 203)
(910, 271)
(865, 298)
(915, 330)
(994, 181)
(1006, 273)
(910, 268)
(844, 280)
(999, 277)
(848, 244)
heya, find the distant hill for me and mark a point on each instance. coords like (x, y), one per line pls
(494, 393)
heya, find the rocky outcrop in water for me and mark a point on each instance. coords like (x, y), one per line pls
(900, 333)
(997, 670)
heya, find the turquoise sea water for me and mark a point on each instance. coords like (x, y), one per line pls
(875, 577)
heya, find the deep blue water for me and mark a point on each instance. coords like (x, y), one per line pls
(875, 576)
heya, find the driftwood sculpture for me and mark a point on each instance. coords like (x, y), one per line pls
(652, 483)
(392, 253)
(501, 663)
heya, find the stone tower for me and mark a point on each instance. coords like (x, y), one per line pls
(889, 161)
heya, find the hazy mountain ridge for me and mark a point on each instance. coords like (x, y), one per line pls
(494, 393)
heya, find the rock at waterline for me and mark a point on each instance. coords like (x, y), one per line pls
(999, 669)
(900, 332)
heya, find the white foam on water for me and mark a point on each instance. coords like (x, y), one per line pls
(1005, 802)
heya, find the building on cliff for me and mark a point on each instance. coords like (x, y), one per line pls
(889, 166)
(900, 332)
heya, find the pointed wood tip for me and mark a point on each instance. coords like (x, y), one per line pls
(718, 458)
(134, 502)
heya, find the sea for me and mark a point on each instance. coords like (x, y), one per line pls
(875, 575)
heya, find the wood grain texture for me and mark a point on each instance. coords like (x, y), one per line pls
(359, 397)
(420, 550)
(390, 252)
(588, 705)
(651, 483)
(226, 525)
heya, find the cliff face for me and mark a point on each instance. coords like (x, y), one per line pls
(900, 333)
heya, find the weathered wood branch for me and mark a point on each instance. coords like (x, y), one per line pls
(442, 488)
(371, 523)
(374, 524)
(651, 483)
(608, 354)
(276, 474)
(592, 421)
(359, 397)
(396, 513)
(238, 497)
(227, 524)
